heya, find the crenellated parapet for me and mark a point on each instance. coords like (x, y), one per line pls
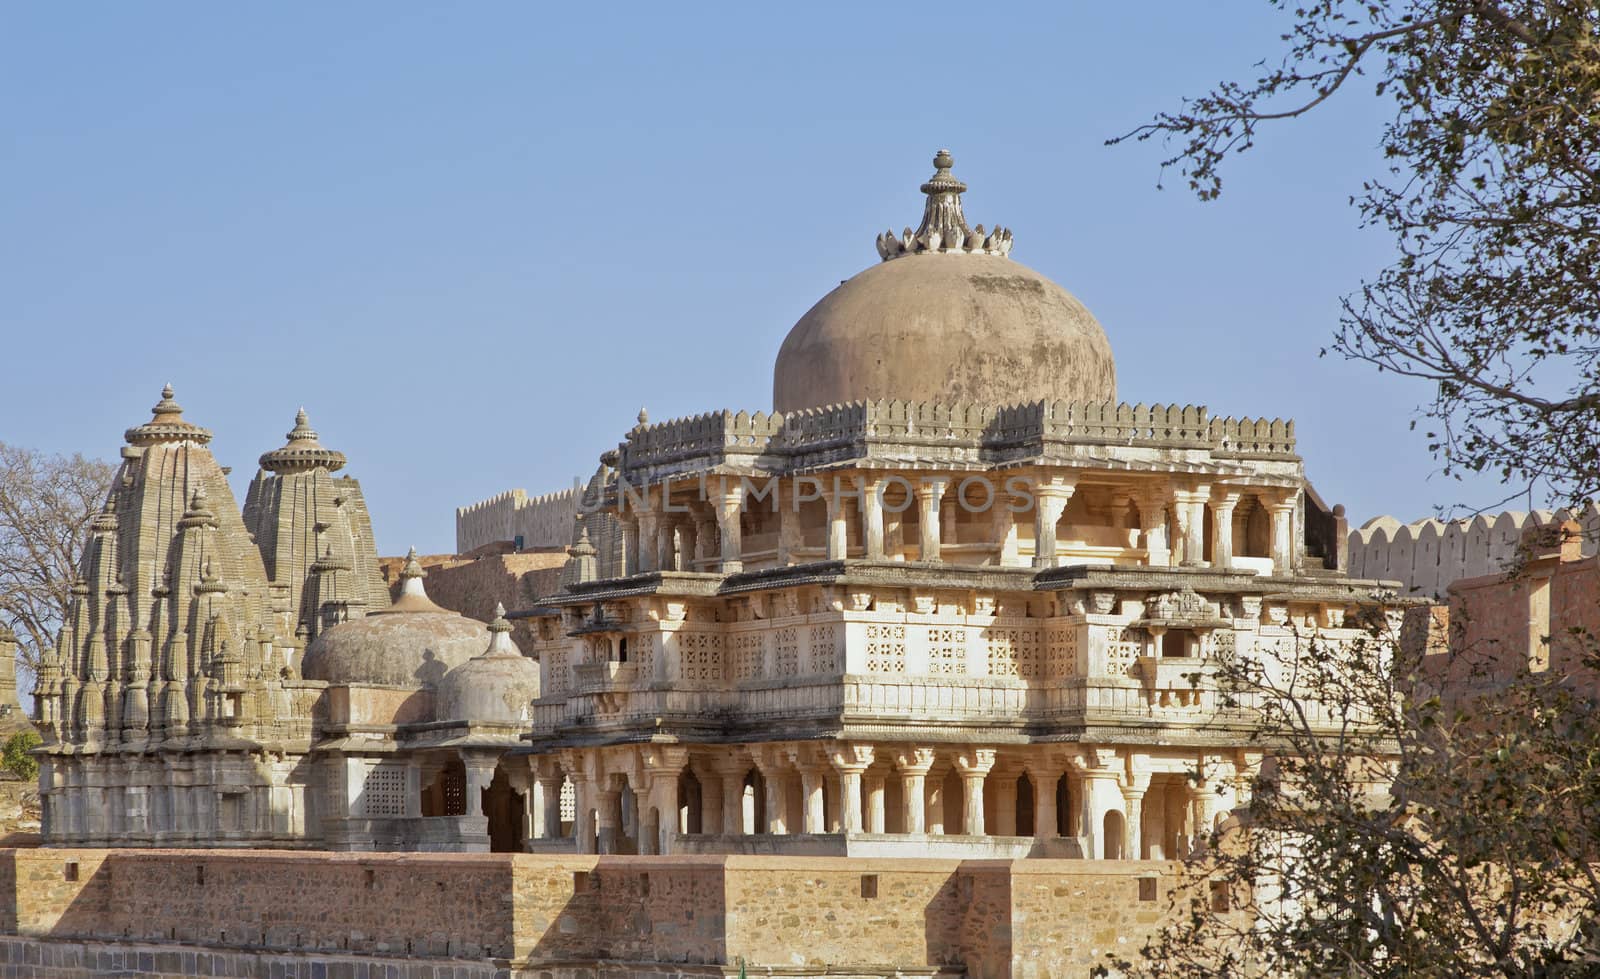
(540, 521)
(940, 432)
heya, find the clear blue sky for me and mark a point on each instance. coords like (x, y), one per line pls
(474, 239)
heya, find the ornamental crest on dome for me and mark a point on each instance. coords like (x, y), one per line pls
(944, 227)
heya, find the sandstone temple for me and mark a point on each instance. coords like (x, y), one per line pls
(947, 598)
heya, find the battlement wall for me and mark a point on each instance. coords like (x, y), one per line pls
(541, 521)
(1427, 556)
(698, 913)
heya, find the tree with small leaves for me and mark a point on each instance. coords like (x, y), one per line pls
(46, 505)
(1492, 194)
(1419, 813)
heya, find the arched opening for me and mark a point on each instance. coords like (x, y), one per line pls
(1257, 531)
(446, 794)
(504, 808)
(1113, 835)
(1025, 805)
(691, 806)
(1064, 825)
(754, 807)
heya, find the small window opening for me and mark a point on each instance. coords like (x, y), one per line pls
(869, 886)
(1175, 643)
(69, 870)
(1219, 896)
(1147, 888)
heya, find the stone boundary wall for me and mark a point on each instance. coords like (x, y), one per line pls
(1427, 556)
(541, 521)
(572, 915)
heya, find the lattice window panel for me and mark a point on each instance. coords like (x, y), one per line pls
(1123, 647)
(748, 653)
(701, 656)
(642, 652)
(1014, 652)
(453, 786)
(786, 651)
(886, 648)
(569, 802)
(1061, 652)
(384, 792)
(558, 676)
(1224, 645)
(947, 651)
(824, 649)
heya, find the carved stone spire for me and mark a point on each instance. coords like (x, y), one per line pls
(944, 227)
(302, 451)
(500, 645)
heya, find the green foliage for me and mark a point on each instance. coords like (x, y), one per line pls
(1492, 193)
(14, 757)
(1414, 815)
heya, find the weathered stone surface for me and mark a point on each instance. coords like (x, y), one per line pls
(567, 916)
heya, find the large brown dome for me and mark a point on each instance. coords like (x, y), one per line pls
(947, 316)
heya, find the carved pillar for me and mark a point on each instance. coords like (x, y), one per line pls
(973, 764)
(851, 761)
(1005, 807)
(648, 530)
(730, 501)
(838, 528)
(871, 516)
(550, 810)
(608, 815)
(934, 793)
(1194, 526)
(1282, 511)
(789, 530)
(585, 827)
(629, 525)
(1133, 815)
(666, 559)
(812, 783)
(774, 773)
(480, 772)
(706, 547)
(729, 772)
(875, 820)
(930, 494)
(913, 765)
(1050, 497)
(689, 541)
(1045, 773)
(1188, 509)
(659, 823)
(1223, 501)
(1153, 529)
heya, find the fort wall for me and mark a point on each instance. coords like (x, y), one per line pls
(541, 521)
(564, 915)
(1426, 556)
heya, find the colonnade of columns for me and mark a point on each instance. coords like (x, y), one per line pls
(702, 533)
(639, 800)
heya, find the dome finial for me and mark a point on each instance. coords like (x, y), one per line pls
(301, 452)
(413, 567)
(944, 227)
(166, 425)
